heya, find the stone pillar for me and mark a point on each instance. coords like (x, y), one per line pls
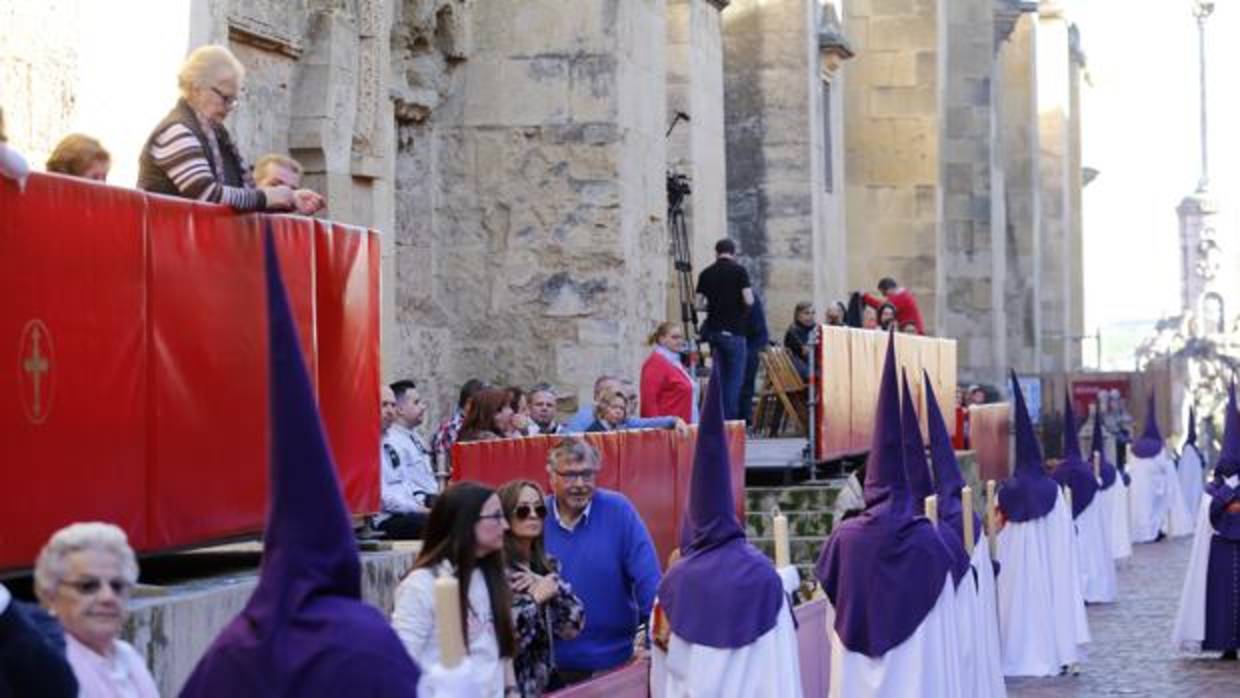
(1019, 144)
(696, 148)
(531, 235)
(892, 106)
(775, 155)
(969, 265)
(1055, 162)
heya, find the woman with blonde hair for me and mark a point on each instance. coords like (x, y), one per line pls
(544, 606)
(79, 155)
(667, 388)
(83, 577)
(190, 154)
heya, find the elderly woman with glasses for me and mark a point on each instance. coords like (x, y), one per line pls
(83, 576)
(543, 604)
(190, 154)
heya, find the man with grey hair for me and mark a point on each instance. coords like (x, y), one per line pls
(605, 554)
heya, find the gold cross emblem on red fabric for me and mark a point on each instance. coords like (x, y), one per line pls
(35, 366)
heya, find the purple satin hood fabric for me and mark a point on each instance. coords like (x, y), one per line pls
(1030, 493)
(1073, 471)
(723, 592)
(1221, 494)
(1151, 442)
(948, 480)
(1105, 468)
(305, 631)
(920, 484)
(884, 569)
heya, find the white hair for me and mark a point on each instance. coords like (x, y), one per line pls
(49, 569)
(207, 65)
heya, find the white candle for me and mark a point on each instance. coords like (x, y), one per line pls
(783, 551)
(448, 621)
(991, 533)
(1067, 498)
(932, 508)
(966, 505)
(1097, 466)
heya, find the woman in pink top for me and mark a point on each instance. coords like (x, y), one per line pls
(83, 576)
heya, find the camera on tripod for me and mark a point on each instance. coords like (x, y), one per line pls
(677, 189)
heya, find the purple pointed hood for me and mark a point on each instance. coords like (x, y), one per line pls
(1226, 524)
(1105, 468)
(305, 630)
(883, 570)
(718, 568)
(948, 480)
(921, 486)
(1151, 442)
(1030, 493)
(1073, 471)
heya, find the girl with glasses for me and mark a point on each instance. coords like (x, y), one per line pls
(464, 536)
(543, 604)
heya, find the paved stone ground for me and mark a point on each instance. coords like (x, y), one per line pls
(1131, 653)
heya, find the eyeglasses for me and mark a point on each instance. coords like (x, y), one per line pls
(497, 516)
(229, 100)
(92, 585)
(525, 511)
(583, 475)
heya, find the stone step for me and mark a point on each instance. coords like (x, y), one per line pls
(800, 523)
(796, 498)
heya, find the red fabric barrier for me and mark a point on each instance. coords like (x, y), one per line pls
(652, 468)
(150, 315)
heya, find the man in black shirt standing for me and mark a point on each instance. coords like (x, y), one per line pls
(724, 289)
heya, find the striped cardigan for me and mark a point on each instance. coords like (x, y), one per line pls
(177, 160)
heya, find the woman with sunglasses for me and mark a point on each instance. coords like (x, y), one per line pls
(543, 604)
(83, 577)
(464, 536)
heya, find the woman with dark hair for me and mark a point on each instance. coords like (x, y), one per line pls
(464, 537)
(886, 316)
(490, 416)
(796, 339)
(543, 604)
(519, 424)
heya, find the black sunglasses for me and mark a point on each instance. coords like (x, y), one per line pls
(524, 511)
(91, 586)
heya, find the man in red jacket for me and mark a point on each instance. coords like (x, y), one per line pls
(902, 299)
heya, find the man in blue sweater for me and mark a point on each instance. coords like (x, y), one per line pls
(605, 553)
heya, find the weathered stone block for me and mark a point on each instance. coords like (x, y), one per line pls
(903, 33)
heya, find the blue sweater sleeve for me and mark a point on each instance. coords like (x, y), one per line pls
(650, 423)
(641, 565)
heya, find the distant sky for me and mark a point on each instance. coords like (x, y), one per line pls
(1140, 130)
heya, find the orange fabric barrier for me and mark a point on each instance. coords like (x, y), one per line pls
(852, 362)
(652, 467)
(989, 436)
(151, 367)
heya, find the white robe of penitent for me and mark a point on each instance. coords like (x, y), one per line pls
(1190, 619)
(1192, 478)
(1155, 501)
(925, 664)
(1116, 500)
(1093, 552)
(983, 671)
(1041, 613)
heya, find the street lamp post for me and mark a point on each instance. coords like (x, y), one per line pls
(1202, 9)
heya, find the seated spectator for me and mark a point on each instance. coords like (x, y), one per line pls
(543, 410)
(83, 576)
(12, 164)
(450, 427)
(77, 155)
(977, 395)
(407, 477)
(796, 339)
(276, 170)
(835, 314)
(520, 423)
(387, 408)
(585, 414)
(666, 385)
(489, 418)
(909, 328)
(543, 604)
(886, 316)
(606, 555)
(30, 664)
(464, 538)
(610, 412)
(902, 299)
(191, 154)
(869, 318)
